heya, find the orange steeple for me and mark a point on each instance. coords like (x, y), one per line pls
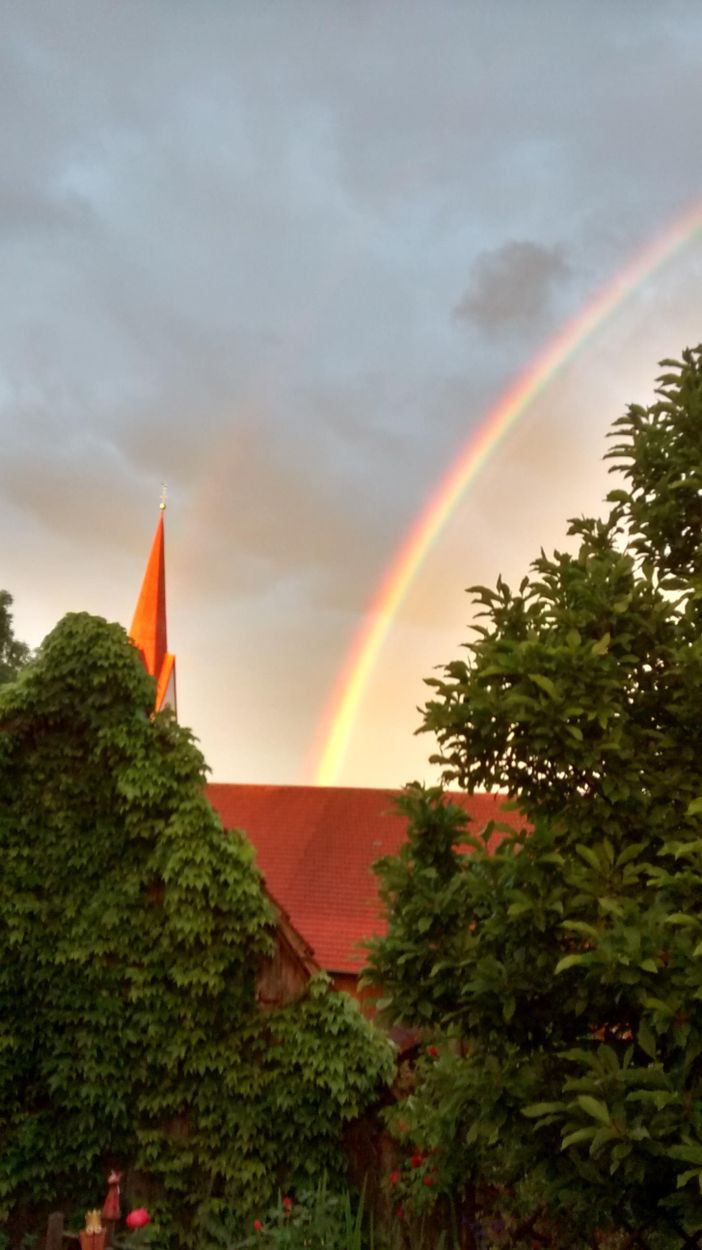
(148, 629)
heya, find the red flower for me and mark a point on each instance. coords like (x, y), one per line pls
(257, 1225)
(394, 1177)
(417, 1159)
(429, 1180)
(432, 1052)
(399, 1213)
(287, 1203)
(138, 1218)
(402, 1127)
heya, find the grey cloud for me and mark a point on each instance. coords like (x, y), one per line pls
(229, 238)
(511, 286)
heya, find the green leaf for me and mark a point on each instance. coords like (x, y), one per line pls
(580, 1135)
(602, 1136)
(587, 853)
(646, 1039)
(580, 926)
(657, 1004)
(601, 647)
(545, 684)
(610, 906)
(521, 908)
(569, 961)
(592, 1106)
(690, 1152)
(690, 1174)
(542, 1108)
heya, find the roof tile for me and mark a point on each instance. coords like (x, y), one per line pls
(316, 846)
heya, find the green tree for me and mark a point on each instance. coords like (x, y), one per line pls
(562, 975)
(132, 928)
(13, 653)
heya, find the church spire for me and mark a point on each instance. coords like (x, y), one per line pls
(148, 629)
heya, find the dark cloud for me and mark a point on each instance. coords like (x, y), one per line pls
(512, 286)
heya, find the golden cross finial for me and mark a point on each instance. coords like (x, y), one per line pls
(164, 496)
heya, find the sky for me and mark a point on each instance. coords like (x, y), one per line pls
(286, 256)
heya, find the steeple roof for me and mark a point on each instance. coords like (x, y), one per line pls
(148, 630)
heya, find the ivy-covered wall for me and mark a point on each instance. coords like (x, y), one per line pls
(131, 930)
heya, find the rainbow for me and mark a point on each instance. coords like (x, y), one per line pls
(355, 674)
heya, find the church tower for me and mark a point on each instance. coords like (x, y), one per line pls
(148, 629)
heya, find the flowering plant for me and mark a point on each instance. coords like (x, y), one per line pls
(140, 1231)
(138, 1218)
(317, 1219)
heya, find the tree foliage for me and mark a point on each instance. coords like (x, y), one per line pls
(13, 653)
(563, 973)
(131, 932)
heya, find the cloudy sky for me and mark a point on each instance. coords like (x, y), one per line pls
(286, 256)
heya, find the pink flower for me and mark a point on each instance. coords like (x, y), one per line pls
(257, 1225)
(138, 1218)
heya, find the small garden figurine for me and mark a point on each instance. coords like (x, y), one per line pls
(111, 1210)
(92, 1237)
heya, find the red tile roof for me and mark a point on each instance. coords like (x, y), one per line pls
(315, 846)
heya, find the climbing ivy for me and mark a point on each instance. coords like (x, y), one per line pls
(132, 928)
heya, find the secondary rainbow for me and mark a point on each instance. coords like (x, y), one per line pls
(356, 671)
